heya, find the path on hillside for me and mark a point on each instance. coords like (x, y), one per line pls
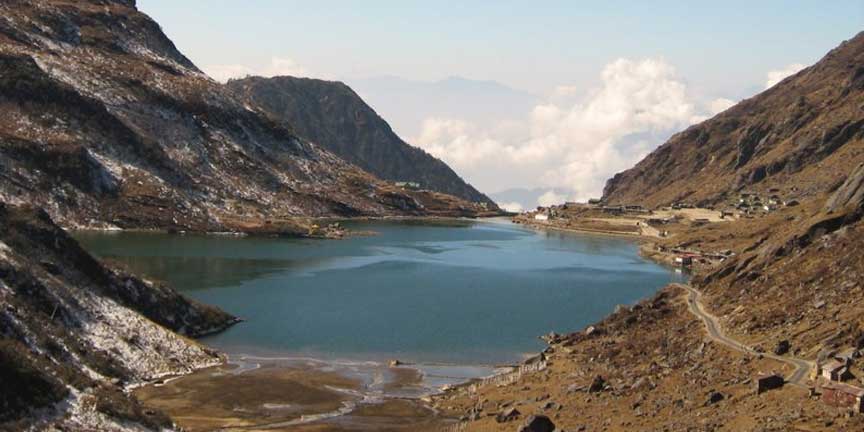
(715, 332)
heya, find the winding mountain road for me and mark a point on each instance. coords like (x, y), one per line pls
(715, 332)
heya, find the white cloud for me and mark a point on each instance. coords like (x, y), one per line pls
(575, 145)
(551, 198)
(284, 67)
(776, 76)
(513, 207)
(279, 66)
(223, 73)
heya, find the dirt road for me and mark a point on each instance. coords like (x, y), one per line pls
(715, 332)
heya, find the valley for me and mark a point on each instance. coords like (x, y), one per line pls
(179, 253)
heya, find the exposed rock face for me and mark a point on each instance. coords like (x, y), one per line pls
(850, 194)
(795, 275)
(105, 122)
(801, 136)
(333, 116)
(75, 333)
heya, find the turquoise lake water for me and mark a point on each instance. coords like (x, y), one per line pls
(460, 292)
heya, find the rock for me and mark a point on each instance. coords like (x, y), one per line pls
(538, 423)
(551, 338)
(395, 363)
(549, 406)
(782, 347)
(714, 398)
(641, 384)
(597, 385)
(850, 194)
(508, 415)
(859, 341)
(574, 388)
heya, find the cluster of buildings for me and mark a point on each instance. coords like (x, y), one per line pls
(833, 375)
(551, 212)
(616, 209)
(686, 258)
(408, 185)
(750, 203)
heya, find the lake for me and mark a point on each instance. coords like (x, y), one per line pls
(459, 292)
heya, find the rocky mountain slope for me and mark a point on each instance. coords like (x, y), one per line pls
(75, 334)
(332, 115)
(791, 282)
(802, 136)
(106, 123)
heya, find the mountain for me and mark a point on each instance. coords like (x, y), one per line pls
(333, 116)
(76, 334)
(107, 124)
(802, 136)
(775, 289)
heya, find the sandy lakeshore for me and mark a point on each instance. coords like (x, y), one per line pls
(296, 395)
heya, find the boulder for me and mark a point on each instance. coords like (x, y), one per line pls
(597, 385)
(714, 398)
(508, 415)
(782, 347)
(850, 194)
(537, 423)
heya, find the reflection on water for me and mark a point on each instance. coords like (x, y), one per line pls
(457, 291)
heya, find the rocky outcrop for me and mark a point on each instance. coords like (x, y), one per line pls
(333, 116)
(76, 334)
(105, 123)
(799, 137)
(850, 194)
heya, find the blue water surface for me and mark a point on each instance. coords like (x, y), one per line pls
(459, 292)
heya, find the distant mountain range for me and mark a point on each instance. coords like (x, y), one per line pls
(333, 116)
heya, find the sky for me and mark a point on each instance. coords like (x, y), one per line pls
(612, 80)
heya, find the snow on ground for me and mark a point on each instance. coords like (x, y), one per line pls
(147, 349)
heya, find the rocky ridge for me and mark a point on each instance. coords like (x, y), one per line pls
(107, 124)
(791, 285)
(76, 334)
(333, 116)
(802, 136)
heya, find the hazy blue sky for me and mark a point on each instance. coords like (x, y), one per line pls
(719, 46)
(597, 84)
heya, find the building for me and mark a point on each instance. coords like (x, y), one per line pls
(835, 370)
(843, 396)
(541, 217)
(769, 382)
(408, 185)
(684, 260)
(595, 201)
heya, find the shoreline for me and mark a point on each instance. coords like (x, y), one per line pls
(424, 397)
(298, 391)
(542, 227)
(286, 234)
